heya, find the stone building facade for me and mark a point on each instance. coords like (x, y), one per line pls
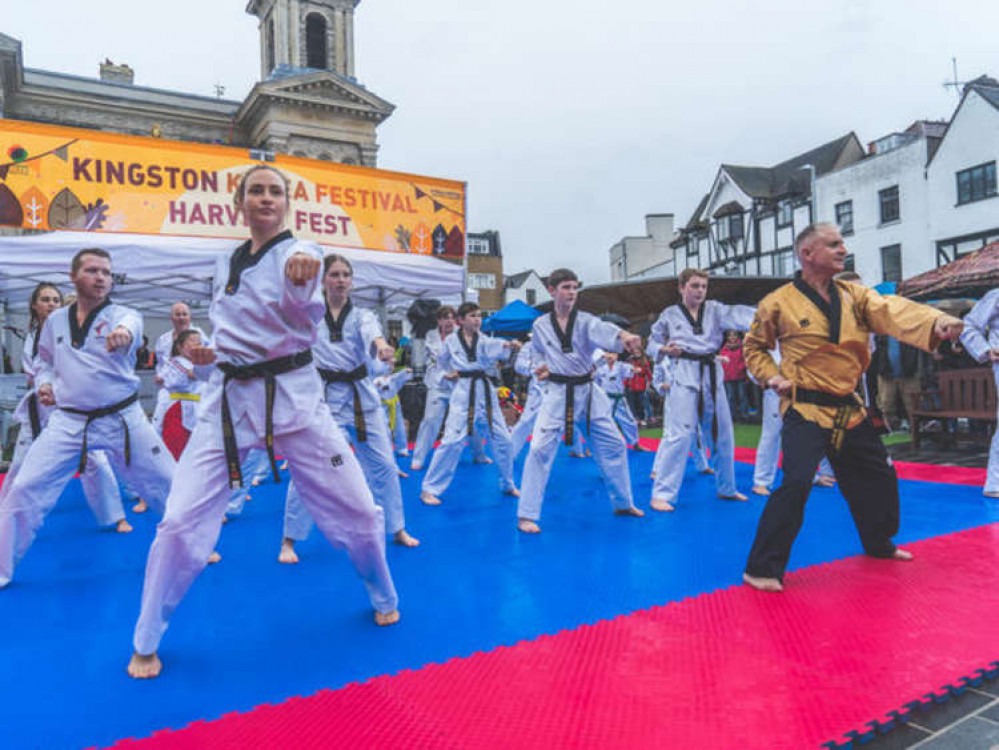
(308, 102)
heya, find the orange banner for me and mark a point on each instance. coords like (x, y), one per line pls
(62, 178)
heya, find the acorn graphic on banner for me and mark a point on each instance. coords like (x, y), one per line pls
(10, 208)
(440, 237)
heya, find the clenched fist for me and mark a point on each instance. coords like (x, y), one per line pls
(119, 338)
(302, 268)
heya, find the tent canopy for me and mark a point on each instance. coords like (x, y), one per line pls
(970, 276)
(151, 272)
(516, 317)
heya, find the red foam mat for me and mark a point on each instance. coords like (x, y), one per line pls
(846, 643)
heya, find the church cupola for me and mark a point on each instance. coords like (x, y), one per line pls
(296, 35)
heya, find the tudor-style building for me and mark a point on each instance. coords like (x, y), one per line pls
(307, 103)
(746, 224)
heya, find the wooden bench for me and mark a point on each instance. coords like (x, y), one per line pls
(963, 394)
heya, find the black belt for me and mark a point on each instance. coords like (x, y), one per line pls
(570, 382)
(33, 416)
(269, 371)
(353, 377)
(707, 361)
(477, 376)
(97, 414)
(842, 404)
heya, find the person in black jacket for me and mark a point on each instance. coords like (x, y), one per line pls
(896, 366)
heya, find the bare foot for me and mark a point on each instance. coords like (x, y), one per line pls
(737, 496)
(708, 470)
(123, 526)
(215, 557)
(991, 493)
(485, 460)
(402, 474)
(761, 490)
(387, 618)
(283, 467)
(427, 499)
(636, 512)
(144, 667)
(902, 554)
(652, 475)
(512, 491)
(824, 480)
(403, 538)
(140, 506)
(225, 520)
(528, 526)
(763, 584)
(664, 506)
(415, 467)
(255, 483)
(287, 554)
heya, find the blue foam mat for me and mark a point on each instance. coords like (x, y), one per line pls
(253, 631)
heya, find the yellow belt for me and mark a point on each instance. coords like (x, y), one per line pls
(185, 396)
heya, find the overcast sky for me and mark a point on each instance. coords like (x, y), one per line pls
(571, 120)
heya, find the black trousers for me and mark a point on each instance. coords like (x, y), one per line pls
(866, 478)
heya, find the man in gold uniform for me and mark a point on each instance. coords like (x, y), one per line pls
(822, 327)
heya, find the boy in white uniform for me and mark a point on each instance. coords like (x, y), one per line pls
(662, 379)
(388, 387)
(524, 365)
(86, 355)
(564, 342)
(610, 375)
(981, 340)
(266, 392)
(692, 332)
(474, 408)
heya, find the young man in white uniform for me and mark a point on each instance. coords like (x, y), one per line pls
(692, 332)
(265, 393)
(473, 409)
(86, 355)
(981, 340)
(565, 341)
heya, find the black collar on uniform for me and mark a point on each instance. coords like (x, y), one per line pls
(696, 323)
(564, 337)
(78, 333)
(243, 259)
(34, 344)
(833, 309)
(335, 322)
(471, 350)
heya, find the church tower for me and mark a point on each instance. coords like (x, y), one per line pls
(309, 101)
(314, 34)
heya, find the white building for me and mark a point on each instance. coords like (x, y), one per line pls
(881, 205)
(961, 176)
(645, 257)
(526, 286)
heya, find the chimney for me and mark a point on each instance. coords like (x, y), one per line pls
(116, 73)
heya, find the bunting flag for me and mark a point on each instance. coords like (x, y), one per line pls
(438, 206)
(60, 151)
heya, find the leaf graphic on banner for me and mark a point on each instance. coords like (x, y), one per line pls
(96, 214)
(35, 205)
(421, 241)
(455, 244)
(10, 208)
(402, 237)
(66, 211)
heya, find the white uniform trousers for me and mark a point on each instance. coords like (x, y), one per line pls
(100, 488)
(378, 465)
(332, 487)
(624, 419)
(448, 453)
(399, 442)
(699, 448)
(52, 461)
(992, 477)
(681, 432)
(606, 443)
(163, 404)
(768, 449)
(256, 467)
(430, 428)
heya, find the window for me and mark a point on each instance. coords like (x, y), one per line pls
(482, 280)
(269, 40)
(735, 226)
(844, 217)
(315, 42)
(849, 263)
(785, 214)
(532, 296)
(888, 198)
(784, 263)
(891, 263)
(478, 246)
(976, 183)
(722, 229)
